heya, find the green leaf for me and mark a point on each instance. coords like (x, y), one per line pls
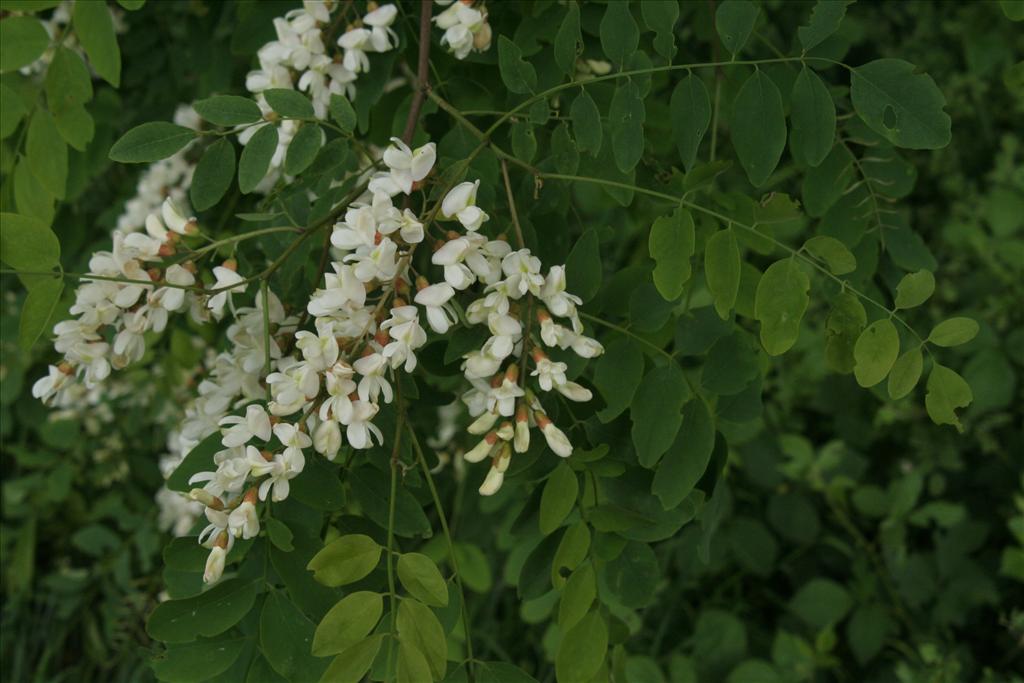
(690, 110)
(734, 21)
(27, 243)
(524, 141)
(228, 110)
(22, 41)
(280, 535)
(518, 75)
(722, 270)
(286, 639)
(198, 661)
(68, 83)
(419, 628)
(904, 107)
(661, 18)
(617, 375)
(671, 244)
(953, 332)
(12, 110)
(75, 125)
(834, 253)
(947, 391)
(303, 149)
(1013, 9)
(655, 413)
(47, 153)
(626, 125)
(821, 602)
(558, 499)
(30, 197)
(758, 127)
(867, 631)
(255, 159)
(905, 373)
(586, 123)
(422, 579)
(620, 34)
(875, 352)
(37, 310)
(568, 40)
(151, 141)
(345, 560)
(825, 19)
(412, 665)
(577, 596)
(779, 305)
(572, 551)
(342, 112)
(207, 614)
(94, 28)
(131, 5)
(843, 326)
(583, 266)
(351, 665)
(347, 623)
(289, 103)
(582, 650)
(914, 289)
(813, 115)
(213, 175)
(688, 458)
(564, 151)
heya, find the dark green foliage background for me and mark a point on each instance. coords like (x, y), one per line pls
(836, 534)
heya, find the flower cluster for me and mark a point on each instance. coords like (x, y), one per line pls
(120, 304)
(465, 27)
(300, 59)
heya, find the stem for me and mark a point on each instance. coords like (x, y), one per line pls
(512, 205)
(422, 72)
(393, 594)
(448, 539)
(265, 297)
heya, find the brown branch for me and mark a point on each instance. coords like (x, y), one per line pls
(422, 73)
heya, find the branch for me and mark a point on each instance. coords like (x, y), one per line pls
(422, 73)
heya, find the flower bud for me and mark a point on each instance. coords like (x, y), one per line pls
(482, 449)
(556, 438)
(505, 431)
(492, 482)
(482, 424)
(215, 565)
(522, 437)
(504, 458)
(327, 439)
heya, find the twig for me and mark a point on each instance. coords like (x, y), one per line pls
(422, 73)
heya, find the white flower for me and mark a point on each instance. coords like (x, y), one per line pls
(292, 438)
(340, 386)
(255, 423)
(244, 521)
(319, 350)
(482, 424)
(404, 329)
(434, 298)
(327, 439)
(382, 37)
(340, 290)
(45, 388)
(373, 383)
(360, 429)
(482, 449)
(229, 282)
(503, 397)
(295, 383)
(558, 301)
(549, 373)
(408, 167)
(460, 203)
(586, 347)
(522, 271)
(378, 264)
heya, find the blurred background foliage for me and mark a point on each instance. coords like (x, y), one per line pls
(856, 540)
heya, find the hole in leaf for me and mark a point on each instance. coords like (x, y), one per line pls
(889, 118)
